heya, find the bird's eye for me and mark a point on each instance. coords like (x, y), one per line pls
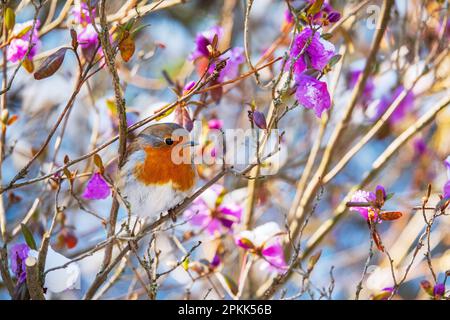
(168, 141)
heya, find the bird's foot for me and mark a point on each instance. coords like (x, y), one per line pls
(172, 214)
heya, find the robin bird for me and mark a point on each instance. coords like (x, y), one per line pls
(158, 173)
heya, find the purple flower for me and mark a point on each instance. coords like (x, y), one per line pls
(97, 188)
(210, 213)
(215, 262)
(368, 89)
(288, 17)
(216, 124)
(202, 41)
(81, 14)
(188, 87)
(19, 46)
(439, 290)
(318, 52)
(312, 94)
(266, 242)
(400, 112)
(234, 57)
(447, 190)
(87, 37)
(447, 164)
(18, 254)
(364, 196)
(420, 147)
(326, 15)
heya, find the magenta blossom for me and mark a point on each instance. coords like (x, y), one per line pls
(210, 213)
(216, 124)
(447, 184)
(202, 41)
(97, 188)
(310, 47)
(369, 88)
(420, 147)
(265, 241)
(288, 17)
(81, 14)
(439, 290)
(312, 94)
(87, 37)
(234, 58)
(188, 87)
(18, 254)
(18, 47)
(403, 108)
(326, 15)
(366, 196)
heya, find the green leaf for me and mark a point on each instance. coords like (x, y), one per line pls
(50, 65)
(335, 59)
(389, 196)
(28, 236)
(326, 36)
(23, 32)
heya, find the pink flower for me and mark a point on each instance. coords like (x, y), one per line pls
(370, 197)
(420, 147)
(81, 14)
(19, 46)
(326, 15)
(97, 188)
(87, 37)
(312, 94)
(403, 108)
(216, 124)
(318, 51)
(369, 88)
(18, 254)
(202, 41)
(288, 17)
(188, 87)
(234, 58)
(362, 196)
(210, 213)
(265, 241)
(447, 185)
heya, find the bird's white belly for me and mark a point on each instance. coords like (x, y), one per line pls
(150, 201)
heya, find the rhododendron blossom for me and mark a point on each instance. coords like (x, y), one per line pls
(310, 48)
(18, 47)
(266, 242)
(97, 188)
(210, 213)
(312, 94)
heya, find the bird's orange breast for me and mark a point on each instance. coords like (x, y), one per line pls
(159, 169)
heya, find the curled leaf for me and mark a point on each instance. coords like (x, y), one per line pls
(50, 65)
(313, 260)
(127, 48)
(390, 215)
(28, 65)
